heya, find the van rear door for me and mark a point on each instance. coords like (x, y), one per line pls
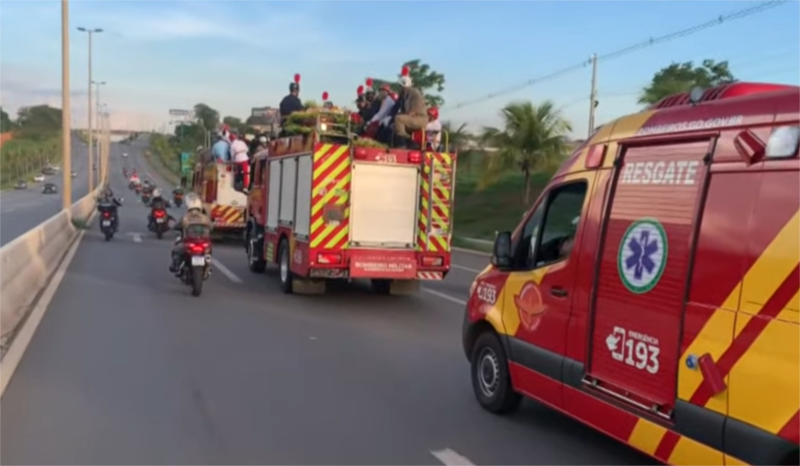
(649, 229)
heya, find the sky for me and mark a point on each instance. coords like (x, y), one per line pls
(236, 55)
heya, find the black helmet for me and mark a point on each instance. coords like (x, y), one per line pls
(294, 87)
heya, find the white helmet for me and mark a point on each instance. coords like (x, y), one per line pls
(193, 201)
(156, 192)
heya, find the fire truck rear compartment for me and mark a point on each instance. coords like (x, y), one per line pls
(384, 204)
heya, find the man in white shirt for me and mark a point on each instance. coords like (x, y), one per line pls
(433, 130)
(386, 106)
(239, 157)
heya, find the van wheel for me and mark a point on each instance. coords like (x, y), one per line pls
(284, 270)
(491, 381)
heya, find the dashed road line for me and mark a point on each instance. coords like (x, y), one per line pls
(449, 457)
(216, 264)
(468, 269)
(452, 299)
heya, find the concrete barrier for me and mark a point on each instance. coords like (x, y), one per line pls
(27, 262)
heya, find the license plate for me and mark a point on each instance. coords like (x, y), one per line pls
(198, 260)
(160, 220)
(106, 223)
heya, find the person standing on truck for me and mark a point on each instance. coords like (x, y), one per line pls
(239, 156)
(413, 114)
(221, 149)
(291, 103)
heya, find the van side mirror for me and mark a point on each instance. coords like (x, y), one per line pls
(501, 252)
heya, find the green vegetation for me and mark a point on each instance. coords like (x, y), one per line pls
(682, 77)
(164, 157)
(36, 143)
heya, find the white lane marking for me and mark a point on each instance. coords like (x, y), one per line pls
(452, 299)
(450, 458)
(470, 251)
(225, 271)
(468, 269)
(14, 354)
(137, 238)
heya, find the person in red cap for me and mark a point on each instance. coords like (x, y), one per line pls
(433, 131)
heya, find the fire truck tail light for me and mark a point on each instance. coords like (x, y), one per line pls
(414, 157)
(228, 168)
(329, 258)
(432, 261)
(361, 152)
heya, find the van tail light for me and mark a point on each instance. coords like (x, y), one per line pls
(432, 261)
(414, 157)
(329, 258)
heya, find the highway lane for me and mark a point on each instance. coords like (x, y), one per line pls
(128, 368)
(23, 210)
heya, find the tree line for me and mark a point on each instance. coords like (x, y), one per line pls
(35, 142)
(532, 136)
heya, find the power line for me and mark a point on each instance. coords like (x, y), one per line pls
(722, 19)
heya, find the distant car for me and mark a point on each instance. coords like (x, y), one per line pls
(50, 188)
(125, 154)
(74, 174)
(21, 184)
(38, 178)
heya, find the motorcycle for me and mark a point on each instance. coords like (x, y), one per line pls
(177, 199)
(146, 197)
(160, 222)
(137, 189)
(196, 264)
(107, 219)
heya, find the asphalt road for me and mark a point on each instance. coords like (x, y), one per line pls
(128, 368)
(23, 210)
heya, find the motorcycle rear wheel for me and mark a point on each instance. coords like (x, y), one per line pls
(159, 233)
(197, 280)
(109, 235)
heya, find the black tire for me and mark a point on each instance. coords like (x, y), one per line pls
(197, 280)
(109, 235)
(159, 232)
(255, 254)
(381, 286)
(284, 267)
(491, 381)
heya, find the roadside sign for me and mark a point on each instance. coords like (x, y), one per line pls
(186, 162)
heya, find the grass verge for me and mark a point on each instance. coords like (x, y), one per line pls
(23, 159)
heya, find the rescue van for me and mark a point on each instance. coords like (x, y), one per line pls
(214, 182)
(651, 292)
(323, 208)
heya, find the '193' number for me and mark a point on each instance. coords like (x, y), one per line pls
(641, 355)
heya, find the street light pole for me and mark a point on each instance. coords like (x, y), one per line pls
(90, 32)
(66, 109)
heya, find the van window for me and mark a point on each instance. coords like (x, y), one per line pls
(549, 234)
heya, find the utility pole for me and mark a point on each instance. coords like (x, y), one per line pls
(66, 109)
(593, 95)
(90, 32)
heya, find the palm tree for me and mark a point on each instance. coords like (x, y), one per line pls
(533, 137)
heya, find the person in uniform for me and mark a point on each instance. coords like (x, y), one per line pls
(413, 114)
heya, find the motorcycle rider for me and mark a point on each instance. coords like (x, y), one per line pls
(156, 203)
(108, 201)
(194, 217)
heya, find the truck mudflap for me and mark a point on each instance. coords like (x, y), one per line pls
(227, 216)
(382, 263)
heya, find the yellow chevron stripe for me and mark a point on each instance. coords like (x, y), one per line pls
(344, 231)
(340, 185)
(319, 221)
(320, 153)
(333, 158)
(322, 184)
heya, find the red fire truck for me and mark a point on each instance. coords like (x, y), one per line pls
(323, 208)
(214, 182)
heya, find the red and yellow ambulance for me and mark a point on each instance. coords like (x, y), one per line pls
(652, 290)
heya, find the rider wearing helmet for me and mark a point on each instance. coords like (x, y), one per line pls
(195, 217)
(156, 203)
(108, 202)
